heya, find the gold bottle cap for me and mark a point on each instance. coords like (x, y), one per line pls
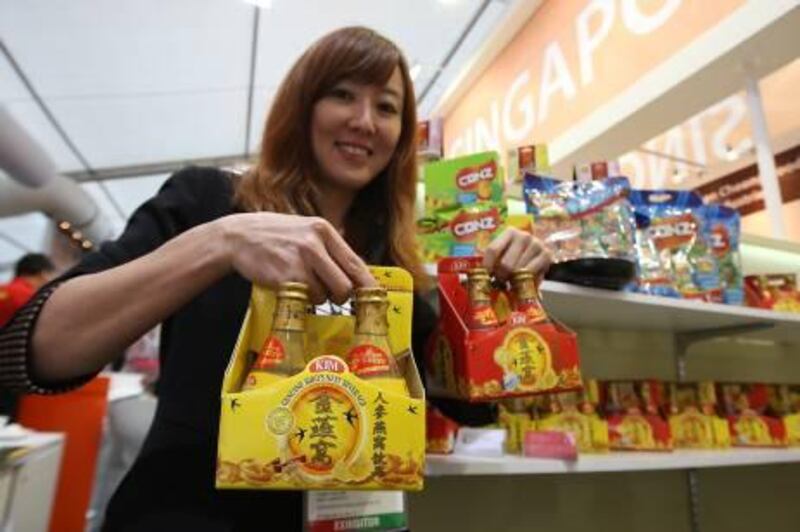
(477, 273)
(293, 290)
(522, 275)
(371, 293)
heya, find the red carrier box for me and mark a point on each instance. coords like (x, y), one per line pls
(751, 420)
(523, 352)
(635, 422)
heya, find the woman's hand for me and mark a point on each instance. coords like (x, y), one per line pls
(270, 248)
(516, 250)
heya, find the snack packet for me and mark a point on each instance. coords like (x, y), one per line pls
(460, 232)
(581, 220)
(673, 258)
(774, 291)
(722, 231)
(472, 227)
(454, 183)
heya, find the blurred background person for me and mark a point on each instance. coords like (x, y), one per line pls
(30, 273)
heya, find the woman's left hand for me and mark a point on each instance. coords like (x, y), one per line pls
(516, 250)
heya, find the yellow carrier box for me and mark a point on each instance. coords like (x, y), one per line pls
(323, 428)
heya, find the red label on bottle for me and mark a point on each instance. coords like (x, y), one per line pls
(481, 317)
(367, 360)
(532, 311)
(272, 354)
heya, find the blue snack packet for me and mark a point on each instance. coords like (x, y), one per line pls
(673, 257)
(722, 230)
(579, 220)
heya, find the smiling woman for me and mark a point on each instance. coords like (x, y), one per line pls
(334, 188)
(354, 131)
(352, 95)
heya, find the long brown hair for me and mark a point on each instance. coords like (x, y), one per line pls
(282, 181)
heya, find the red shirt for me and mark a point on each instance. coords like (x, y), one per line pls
(13, 296)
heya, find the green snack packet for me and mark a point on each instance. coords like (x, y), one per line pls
(453, 183)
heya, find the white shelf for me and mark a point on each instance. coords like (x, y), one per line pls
(577, 306)
(449, 465)
(29, 438)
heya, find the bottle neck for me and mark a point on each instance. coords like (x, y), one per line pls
(526, 291)
(479, 291)
(371, 319)
(290, 315)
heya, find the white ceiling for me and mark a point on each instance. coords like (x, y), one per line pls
(151, 81)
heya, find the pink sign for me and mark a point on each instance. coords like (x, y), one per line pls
(550, 444)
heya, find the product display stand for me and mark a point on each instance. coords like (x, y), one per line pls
(615, 462)
(688, 321)
(29, 471)
(630, 335)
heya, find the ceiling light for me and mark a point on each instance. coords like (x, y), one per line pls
(414, 71)
(263, 4)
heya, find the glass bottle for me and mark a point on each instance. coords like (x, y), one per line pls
(371, 356)
(526, 295)
(283, 353)
(480, 314)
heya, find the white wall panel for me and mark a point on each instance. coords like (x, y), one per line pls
(135, 130)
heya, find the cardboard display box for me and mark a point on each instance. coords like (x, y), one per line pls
(693, 419)
(632, 412)
(323, 428)
(516, 359)
(751, 420)
(576, 413)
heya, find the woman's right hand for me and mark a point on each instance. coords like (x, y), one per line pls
(271, 248)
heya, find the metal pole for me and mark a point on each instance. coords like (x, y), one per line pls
(765, 158)
(693, 483)
(681, 346)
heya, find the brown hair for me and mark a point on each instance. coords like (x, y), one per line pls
(282, 181)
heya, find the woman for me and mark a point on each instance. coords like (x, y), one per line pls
(333, 190)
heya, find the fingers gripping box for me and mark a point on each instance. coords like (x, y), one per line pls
(323, 428)
(519, 357)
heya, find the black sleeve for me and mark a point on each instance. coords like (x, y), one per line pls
(188, 198)
(180, 204)
(423, 323)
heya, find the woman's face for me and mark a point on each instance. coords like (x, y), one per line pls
(354, 131)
